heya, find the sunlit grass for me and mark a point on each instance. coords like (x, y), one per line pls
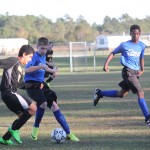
(114, 124)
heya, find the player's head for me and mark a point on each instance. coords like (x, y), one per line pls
(50, 45)
(135, 32)
(25, 54)
(42, 45)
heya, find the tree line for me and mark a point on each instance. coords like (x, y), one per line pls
(65, 29)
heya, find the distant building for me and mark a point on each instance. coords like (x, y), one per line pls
(11, 45)
(110, 42)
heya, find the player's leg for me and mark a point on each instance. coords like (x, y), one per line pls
(98, 94)
(24, 108)
(113, 93)
(52, 104)
(144, 107)
(39, 97)
(134, 85)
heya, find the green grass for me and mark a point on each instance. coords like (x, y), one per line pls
(114, 124)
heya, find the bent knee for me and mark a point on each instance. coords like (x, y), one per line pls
(32, 109)
(43, 105)
(54, 106)
(121, 95)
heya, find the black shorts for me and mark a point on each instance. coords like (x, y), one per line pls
(130, 80)
(42, 95)
(15, 102)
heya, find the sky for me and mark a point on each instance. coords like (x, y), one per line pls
(91, 10)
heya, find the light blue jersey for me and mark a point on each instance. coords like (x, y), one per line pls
(38, 75)
(131, 53)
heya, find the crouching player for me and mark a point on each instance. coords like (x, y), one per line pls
(22, 106)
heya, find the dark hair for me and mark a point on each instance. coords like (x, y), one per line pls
(42, 41)
(133, 27)
(50, 43)
(27, 49)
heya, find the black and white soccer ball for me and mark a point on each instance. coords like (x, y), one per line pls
(58, 135)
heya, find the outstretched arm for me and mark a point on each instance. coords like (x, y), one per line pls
(109, 58)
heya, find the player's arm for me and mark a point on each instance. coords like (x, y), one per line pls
(141, 62)
(51, 70)
(35, 68)
(50, 63)
(109, 58)
(142, 67)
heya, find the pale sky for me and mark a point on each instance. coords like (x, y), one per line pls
(91, 10)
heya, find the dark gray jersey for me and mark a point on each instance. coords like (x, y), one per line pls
(12, 74)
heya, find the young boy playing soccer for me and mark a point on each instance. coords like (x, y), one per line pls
(20, 105)
(38, 90)
(132, 59)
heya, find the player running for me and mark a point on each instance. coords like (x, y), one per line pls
(132, 59)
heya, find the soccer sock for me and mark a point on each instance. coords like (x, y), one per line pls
(109, 93)
(21, 121)
(62, 121)
(8, 135)
(38, 117)
(144, 107)
(49, 79)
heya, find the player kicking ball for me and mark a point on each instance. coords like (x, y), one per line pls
(39, 91)
(132, 59)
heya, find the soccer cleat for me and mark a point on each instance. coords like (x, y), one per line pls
(34, 134)
(96, 96)
(72, 137)
(147, 121)
(6, 142)
(15, 134)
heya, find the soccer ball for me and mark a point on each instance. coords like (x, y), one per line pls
(58, 135)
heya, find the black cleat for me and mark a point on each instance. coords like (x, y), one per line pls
(147, 122)
(96, 96)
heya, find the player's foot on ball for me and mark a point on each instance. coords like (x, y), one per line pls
(34, 134)
(97, 96)
(72, 137)
(15, 134)
(6, 142)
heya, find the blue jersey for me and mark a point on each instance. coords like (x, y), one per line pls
(131, 53)
(37, 75)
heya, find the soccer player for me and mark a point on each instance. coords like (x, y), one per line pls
(20, 105)
(38, 90)
(132, 59)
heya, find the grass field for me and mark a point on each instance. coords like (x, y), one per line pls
(114, 124)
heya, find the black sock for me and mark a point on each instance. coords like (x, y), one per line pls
(7, 135)
(49, 79)
(21, 121)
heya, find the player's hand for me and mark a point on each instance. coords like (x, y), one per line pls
(55, 69)
(44, 66)
(140, 73)
(106, 68)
